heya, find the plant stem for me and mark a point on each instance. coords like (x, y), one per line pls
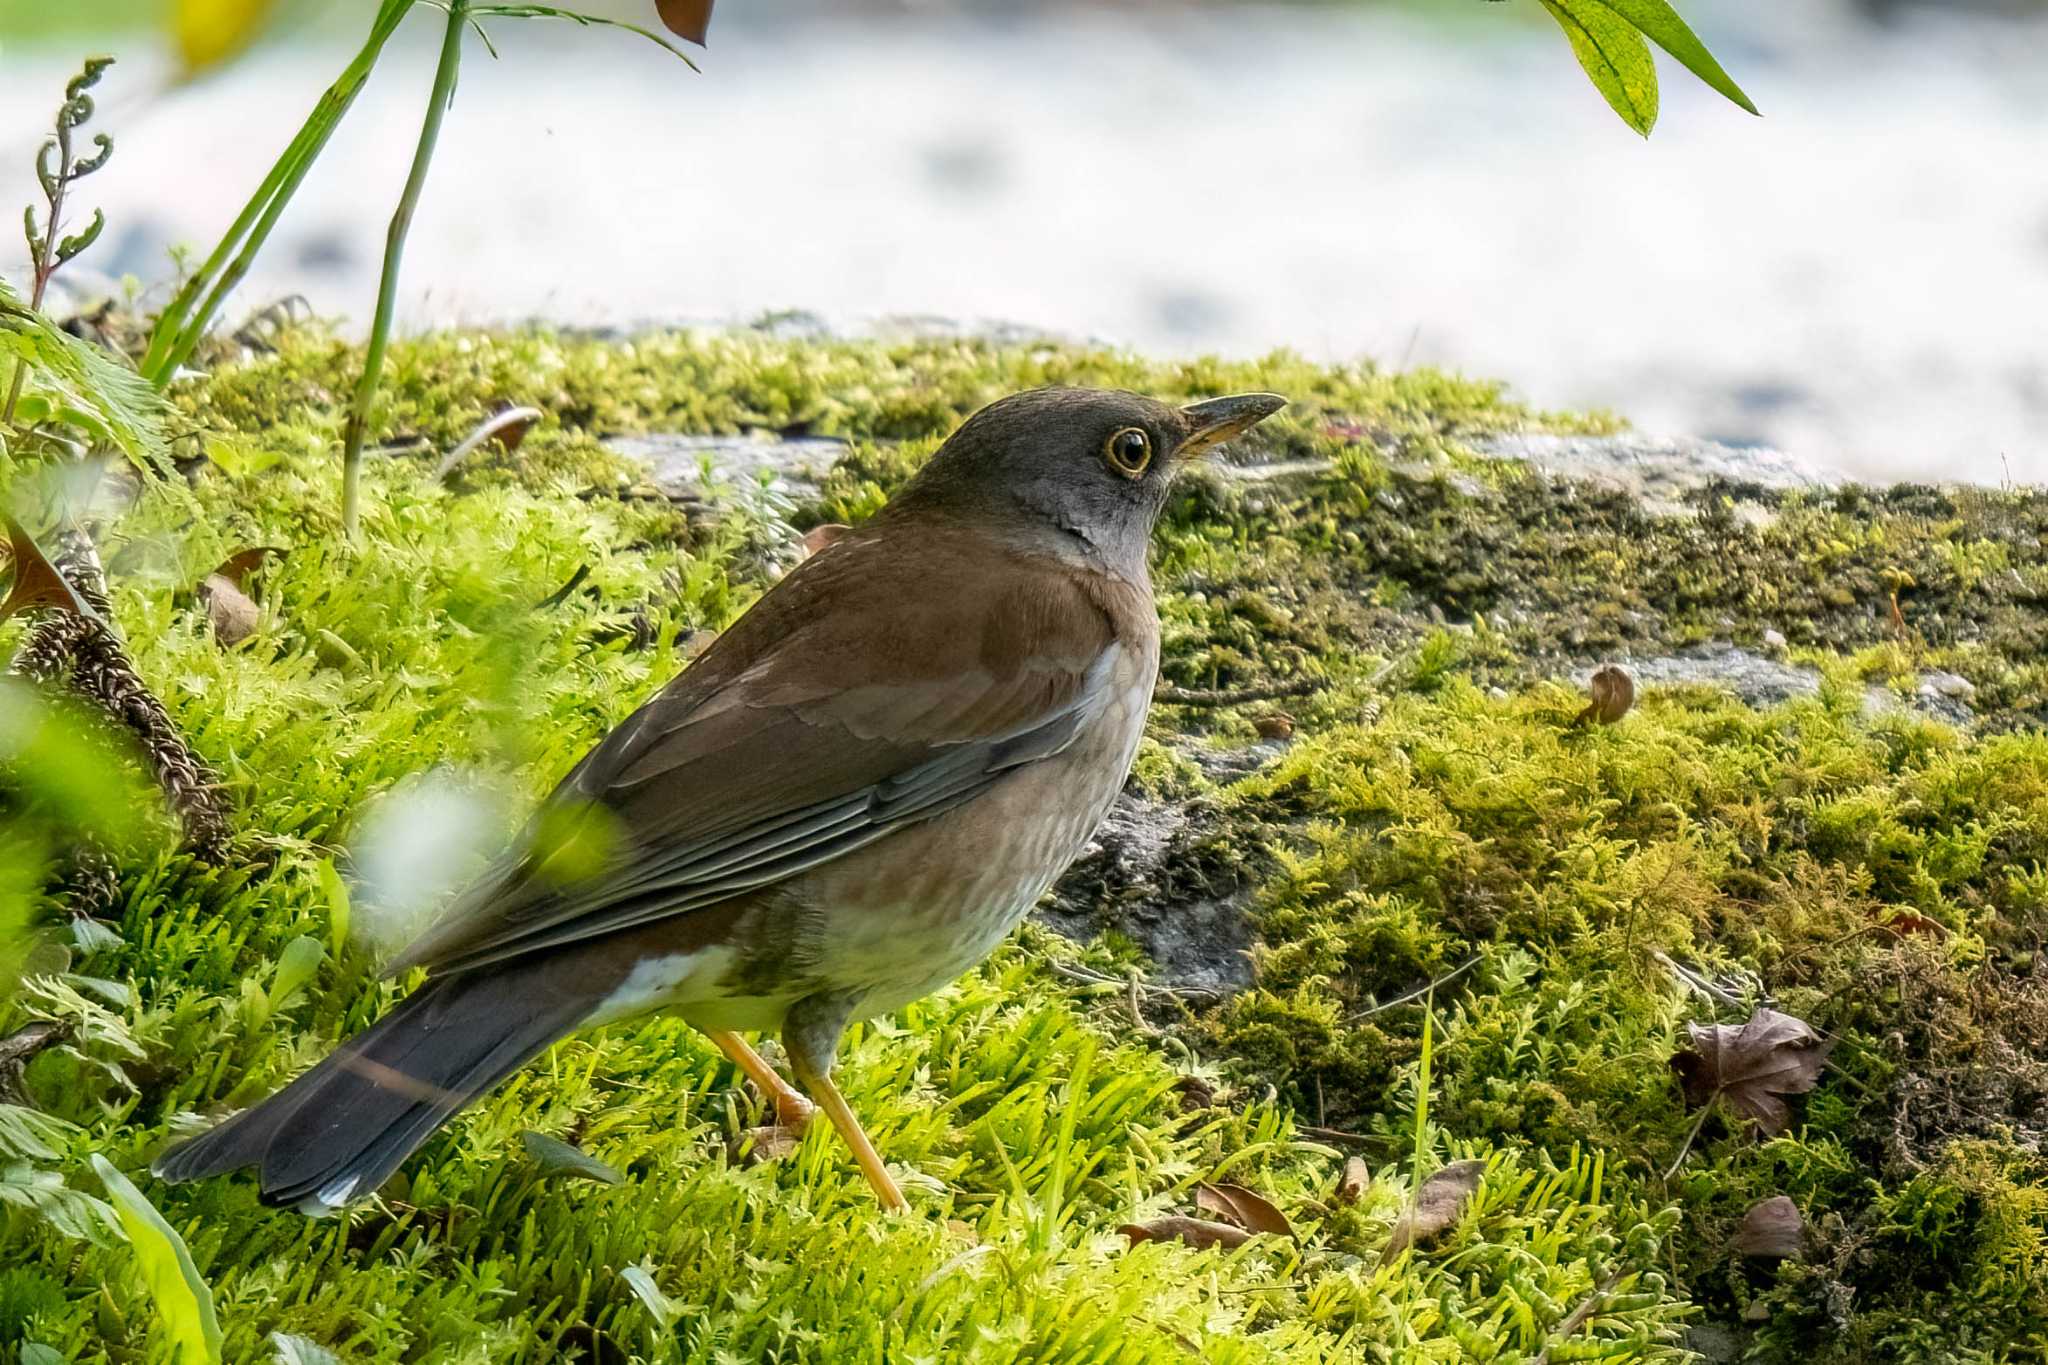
(394, 256)
(45, 262)
(185, 319)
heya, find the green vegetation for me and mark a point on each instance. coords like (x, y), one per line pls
(1877, 873)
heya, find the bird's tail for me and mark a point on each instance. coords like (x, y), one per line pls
(341, 1129)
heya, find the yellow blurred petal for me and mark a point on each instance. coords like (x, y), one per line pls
(208, 32)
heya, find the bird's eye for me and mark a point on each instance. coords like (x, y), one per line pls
(1128, 452)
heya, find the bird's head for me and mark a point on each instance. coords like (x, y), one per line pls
(1082, 470)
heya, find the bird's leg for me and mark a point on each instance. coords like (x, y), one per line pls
(810, 1034)
(792, 1110)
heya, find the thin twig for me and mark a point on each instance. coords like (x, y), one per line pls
(491, 426)
(1579, 1316)
(1686, 1146)
(1452, 975)
(1195, 696)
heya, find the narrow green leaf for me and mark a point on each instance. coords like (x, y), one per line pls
(1661, 25)
(640, 1280)
(184, 1304)
(293, 1350)
(558, 1158)
(337, 907)
(1615, 57)
(296, 966)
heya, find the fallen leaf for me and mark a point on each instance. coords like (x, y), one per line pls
(1242, 1207)
(818, 537)
(1772, 1228)
(770, 1142)
(1196, 1094)
(689, 19)
(1752, 1066)
(1913, 922)
(37, 582)
(233, 614)
(237, 567)
(558, 1158)
(1355, 1181)
(1278, 725)
(1438, 1206)
(1199, 1233)
(1614, 693)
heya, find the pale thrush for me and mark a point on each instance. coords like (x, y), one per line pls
(844, 803)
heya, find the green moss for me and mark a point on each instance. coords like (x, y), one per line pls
(1881, 875)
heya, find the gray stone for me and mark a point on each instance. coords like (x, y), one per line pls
(1661, 471)
(1756, 680)
(690, 468)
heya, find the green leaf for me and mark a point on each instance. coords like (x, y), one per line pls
(1615, 56)
(1661, 25)
(296, 966)
(123, 410)
(336, 891)
(184, 1304)
(293, 1350)
(68, 1212)
(35, 1353)
(558, 1158)
(640, 1280)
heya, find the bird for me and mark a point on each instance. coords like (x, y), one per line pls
(846, 801)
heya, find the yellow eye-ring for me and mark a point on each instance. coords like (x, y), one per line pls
(1128, 452)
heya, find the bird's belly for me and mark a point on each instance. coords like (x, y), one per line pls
(911, 913)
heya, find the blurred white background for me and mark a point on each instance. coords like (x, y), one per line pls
(1859, 277)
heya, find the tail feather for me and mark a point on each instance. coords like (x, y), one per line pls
(341, 1129)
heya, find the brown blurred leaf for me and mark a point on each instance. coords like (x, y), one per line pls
(1196, 1232)
(37, 582)
(1772, 1228)
(1242, 1207)
(1355, 1181)
(818, 537)
(770, 1142)
(1278, 725)
(689, 19)
(1614, 693)
(1752, 1065)
(1438, 1205)
(233, 614)
(237, 567)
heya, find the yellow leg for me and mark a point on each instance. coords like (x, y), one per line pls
(792, 1110)
(836, 1108)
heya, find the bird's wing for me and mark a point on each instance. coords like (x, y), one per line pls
(869, 690)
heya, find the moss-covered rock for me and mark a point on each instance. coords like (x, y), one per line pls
(1368, 775)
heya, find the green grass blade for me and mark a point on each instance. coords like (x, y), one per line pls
(1615, 56)
(183, 1302)
(1660, 23)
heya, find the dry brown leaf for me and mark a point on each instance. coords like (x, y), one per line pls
(1752, 1066)
(37, 582)
(1772, 1228)
(1438, 1206)
(1278, 725)
(818, 537)
(1355, 1181)
(233, 614)
(1242, 1207)
(237, 567)
(1199, 1233)
(689, 19)
(1614, 693)
(770, 1142)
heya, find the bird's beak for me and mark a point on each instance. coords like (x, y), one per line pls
(1215, 420)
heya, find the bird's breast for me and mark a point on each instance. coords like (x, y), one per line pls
(912, 912)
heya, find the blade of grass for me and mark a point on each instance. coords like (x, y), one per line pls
(185, 319)
(394, 257)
